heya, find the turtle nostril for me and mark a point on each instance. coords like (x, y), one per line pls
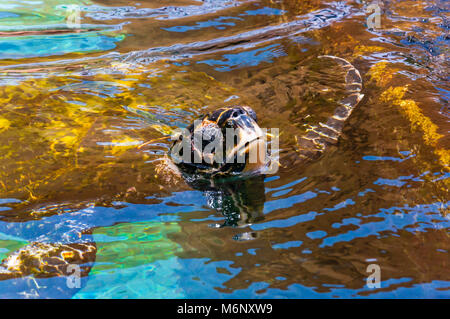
(236, 113)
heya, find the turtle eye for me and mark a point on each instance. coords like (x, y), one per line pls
(250, 112)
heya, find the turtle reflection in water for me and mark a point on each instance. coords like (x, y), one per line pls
(233, 188)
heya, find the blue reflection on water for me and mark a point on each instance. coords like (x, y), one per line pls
(172, 278)
(67, 227)
(343, 204)
(282, 223)
(8, 200)
(39, 46)
(316, 234)
(288, 201)
(398, 182)
(246, 58)
(4, 15)
(289, 244)
(420, 218)
(384, 158)
(220, 24)
(263, 11)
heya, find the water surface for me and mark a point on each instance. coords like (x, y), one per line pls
(75, 102)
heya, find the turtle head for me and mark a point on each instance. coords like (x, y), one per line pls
(231, 141)
(244, 140)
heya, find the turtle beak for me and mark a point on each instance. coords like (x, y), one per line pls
(251, 145)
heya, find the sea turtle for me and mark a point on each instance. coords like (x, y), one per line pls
(232, 187)
(235, 188)
(247, 137)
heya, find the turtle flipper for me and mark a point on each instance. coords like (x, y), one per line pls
(314, 143)
(48, 260)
